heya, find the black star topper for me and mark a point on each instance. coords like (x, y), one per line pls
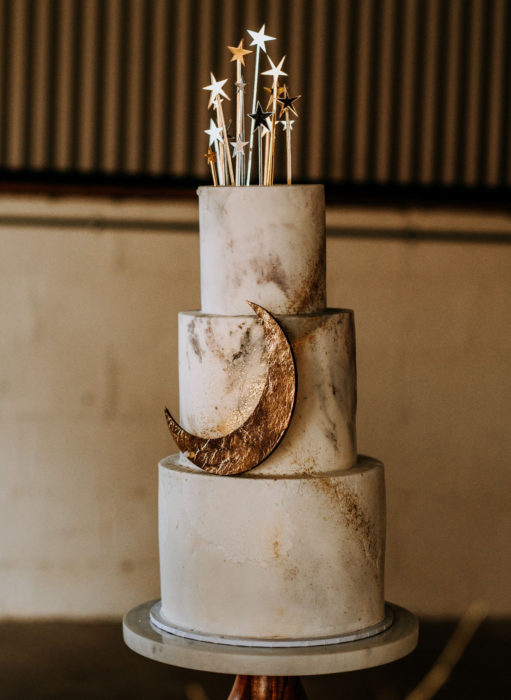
(260, 118)
(287, 103)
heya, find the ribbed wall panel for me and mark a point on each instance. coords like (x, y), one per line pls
(394, 91)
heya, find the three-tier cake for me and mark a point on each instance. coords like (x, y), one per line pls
(292, 551)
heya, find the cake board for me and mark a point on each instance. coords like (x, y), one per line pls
(269, 672)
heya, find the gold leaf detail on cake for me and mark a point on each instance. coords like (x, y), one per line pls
(251, 443)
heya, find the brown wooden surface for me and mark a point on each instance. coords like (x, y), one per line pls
(267, 688)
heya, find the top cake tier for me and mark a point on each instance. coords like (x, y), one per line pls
(262, 244)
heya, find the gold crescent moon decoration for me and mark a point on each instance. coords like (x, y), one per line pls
(251, 443)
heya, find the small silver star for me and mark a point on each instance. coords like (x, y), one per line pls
(238, 146)
(240, 86)
(284, 124)
(275, 70)
(216, 89)
(260, 38)
(216, 103)
(214, 132)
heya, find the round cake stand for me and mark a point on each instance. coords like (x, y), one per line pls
(269, 673)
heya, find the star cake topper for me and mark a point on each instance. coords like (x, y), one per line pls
(239, 53)
(260, 118)
(215, 88)
(214, 132)
(275, 71)
(260, 144)
(259, 38)
(286, 103)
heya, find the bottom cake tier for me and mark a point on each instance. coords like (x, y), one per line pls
(261, 558)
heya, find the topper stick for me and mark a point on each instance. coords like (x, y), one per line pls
(239, 119)
(267, 156)
(273, 137)
(286, 103)
(221, 163)
(288, 147)
(238, 55)
(275, 72)
(242, 130)
(212, 159)
(227, 153)
(217, 92)
(215, 135)
(260, 121)
(260, 155)
(217, 162)
(251, 139)
(259, 40)
(213, 173)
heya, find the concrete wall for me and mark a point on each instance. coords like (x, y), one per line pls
(88, 347)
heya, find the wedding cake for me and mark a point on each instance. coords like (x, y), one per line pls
(290, 552)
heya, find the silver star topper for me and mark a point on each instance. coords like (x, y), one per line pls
(238, 146)
(214, 132)
(260, 38)
(216, 89)
(275, 70)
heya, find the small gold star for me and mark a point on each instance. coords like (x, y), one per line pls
(280, 91)
(238, 52)
(210, 155)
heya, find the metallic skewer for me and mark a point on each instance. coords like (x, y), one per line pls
(260, 121)
(215, 138)
(227, 153)
(238, 55)
(211, 156)
(286, 105)
(260, 155)
(288, 148)
(275, 72)
(259, 40)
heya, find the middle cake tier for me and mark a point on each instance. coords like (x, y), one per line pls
(222, 371)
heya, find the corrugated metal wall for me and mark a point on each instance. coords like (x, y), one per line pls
(394, 91)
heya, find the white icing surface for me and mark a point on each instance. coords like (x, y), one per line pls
(272, 557)
(262, 244)
(294, 548)
(222, 370)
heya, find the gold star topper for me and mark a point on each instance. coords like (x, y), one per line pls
(281, 90)
(238, 52)
(210, 155)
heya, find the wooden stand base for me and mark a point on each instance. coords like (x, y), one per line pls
(267, 688)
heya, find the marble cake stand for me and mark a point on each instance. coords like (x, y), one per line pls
(265, 673)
